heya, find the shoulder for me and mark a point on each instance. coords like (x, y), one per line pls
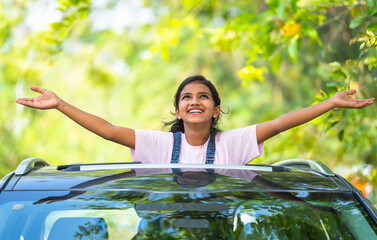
(152, 133)
(237, 132)
(152, 137)
(238, 146)
(152, 146)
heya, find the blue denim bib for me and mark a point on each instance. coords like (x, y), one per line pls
(210, 154)
(211, 148)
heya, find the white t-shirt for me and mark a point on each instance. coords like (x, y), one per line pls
(234, 147)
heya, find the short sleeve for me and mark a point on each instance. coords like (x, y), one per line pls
(152, 146)
(238, 146)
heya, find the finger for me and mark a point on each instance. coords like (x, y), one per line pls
(360, 101)
(27, 103)
(37, 89)
(24, 99)
(351, 92)
(371, 101)
(365, 103)
(354, 103)
(362, 105)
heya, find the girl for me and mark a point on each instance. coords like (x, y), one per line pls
(193, 137)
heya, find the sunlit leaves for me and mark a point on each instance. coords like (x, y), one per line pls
(371, 3)
(250, 73)
(224, 39)
(173, 32)
(73, 11)
(366, 18)
(275, 62)
(339, 71)
(368, 40)
(100, 77)
(358, 21)
(276, 29)
(371, 62)
(374, 176)
(293, 48)
(291, 29)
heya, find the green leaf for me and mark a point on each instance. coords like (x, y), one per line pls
(334, 84)
(332, 124)
(335, 65)
(339, 73)
(341, 135)
(84, 11)
(249, 73)
(293, 50)
(358, 21)
(276, 62)
(372, 27)
(280, 10)
(313, 35)
(57, 26)
(372, 11)
(64, 3)
(371, 3)
(74, 2)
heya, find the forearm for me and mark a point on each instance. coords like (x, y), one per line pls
(301, 116)
(289, 120)
(91, 122)
(97, 125)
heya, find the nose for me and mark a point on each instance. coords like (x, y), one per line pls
(194, 101)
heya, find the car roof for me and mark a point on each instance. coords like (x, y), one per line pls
(292, 175)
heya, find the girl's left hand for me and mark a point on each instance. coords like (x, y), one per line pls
(342, 100)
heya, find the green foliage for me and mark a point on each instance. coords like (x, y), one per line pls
(265, 57)
(72, 12)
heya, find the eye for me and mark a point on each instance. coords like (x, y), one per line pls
(185, 97)
(204, 96)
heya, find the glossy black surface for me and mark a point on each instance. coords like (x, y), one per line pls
(221, 215)
(188, 204)
(49, 178)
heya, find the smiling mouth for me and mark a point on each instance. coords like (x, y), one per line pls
(197, 111)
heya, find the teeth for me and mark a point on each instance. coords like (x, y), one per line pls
(195, 111)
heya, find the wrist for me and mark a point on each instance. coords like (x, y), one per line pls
(59, 104)
(332, 103)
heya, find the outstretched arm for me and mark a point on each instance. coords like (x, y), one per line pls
(271, 128)
(97, 125)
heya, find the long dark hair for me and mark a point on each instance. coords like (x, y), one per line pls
(177, 124)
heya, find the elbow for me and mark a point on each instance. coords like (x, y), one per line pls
(281, 125)
(108, 137)
(109, 133)
(277, 127)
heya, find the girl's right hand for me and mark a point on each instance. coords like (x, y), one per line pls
(47, 100)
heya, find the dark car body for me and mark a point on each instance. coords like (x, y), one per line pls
(295, 199)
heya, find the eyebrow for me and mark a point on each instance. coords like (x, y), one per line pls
(188, 93)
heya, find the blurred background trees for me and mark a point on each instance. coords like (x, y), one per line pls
(123, 60)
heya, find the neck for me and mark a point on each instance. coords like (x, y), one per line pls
(196, 136)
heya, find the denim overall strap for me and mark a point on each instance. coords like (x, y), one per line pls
(211, 149)
(176, 147)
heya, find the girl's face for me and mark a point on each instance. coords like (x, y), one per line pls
(196, 105)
